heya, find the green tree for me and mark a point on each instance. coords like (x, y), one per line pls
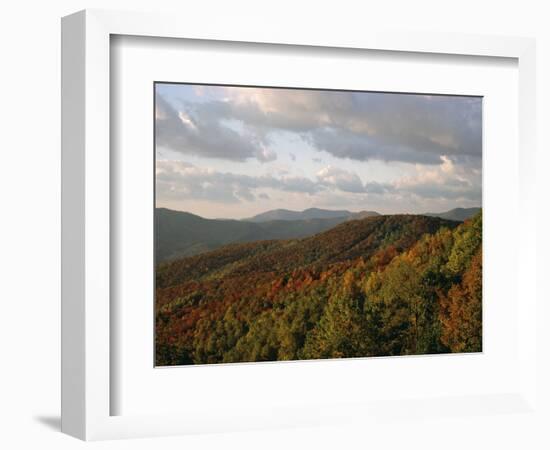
(467, 239)
(341, 330)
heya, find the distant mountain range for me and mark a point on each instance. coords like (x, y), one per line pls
(182, 234)
(458, 214)
(307, 214)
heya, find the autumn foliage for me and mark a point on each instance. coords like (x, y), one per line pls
(387, 285)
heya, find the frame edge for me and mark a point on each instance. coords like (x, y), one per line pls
(73, 83)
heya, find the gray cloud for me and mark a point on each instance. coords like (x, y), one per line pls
(373, 187)
(340, 179)
(180, 180)
(449, 181)
(194, 131)
(359, 126)
(345, 144)
(451, 189)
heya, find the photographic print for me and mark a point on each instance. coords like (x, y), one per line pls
(299, 224)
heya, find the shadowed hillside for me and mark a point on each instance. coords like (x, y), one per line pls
(180, 234)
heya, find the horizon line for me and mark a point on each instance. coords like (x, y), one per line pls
(322, 209)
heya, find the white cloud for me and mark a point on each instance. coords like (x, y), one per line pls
(447, 181)
(178, 179)
(341, 179)
(186, 120)
(265, 154)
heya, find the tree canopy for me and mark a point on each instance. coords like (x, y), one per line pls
(388, 285)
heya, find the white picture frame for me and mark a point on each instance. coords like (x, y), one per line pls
(86, 217)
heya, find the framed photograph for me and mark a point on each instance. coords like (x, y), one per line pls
(240, 278)
(266, 228)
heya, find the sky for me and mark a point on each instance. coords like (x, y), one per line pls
(233, 152)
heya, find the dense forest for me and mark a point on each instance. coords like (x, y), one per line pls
(383, 285)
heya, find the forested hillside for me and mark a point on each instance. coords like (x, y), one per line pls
(385, 285)
(180, 234)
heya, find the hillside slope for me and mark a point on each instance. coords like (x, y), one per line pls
(346, 241)
(180, 234)
(343, 292)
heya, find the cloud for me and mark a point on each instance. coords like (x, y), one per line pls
(374, 187)
(181, 180)
(266, 155)
(354, 125)
(342, 179)
(361, 125)
(344, 144)
(192, 130)
(450, 181)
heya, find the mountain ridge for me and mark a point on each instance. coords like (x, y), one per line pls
(309, 213)
(345, 241)
(181, 234)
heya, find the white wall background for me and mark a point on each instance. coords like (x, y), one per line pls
(29, 225)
